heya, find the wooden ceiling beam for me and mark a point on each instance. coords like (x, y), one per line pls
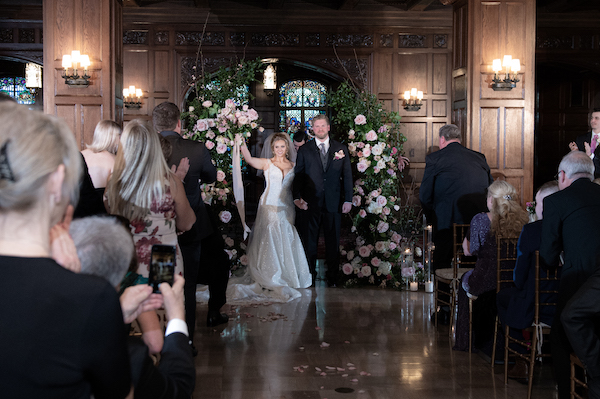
(419, 5)
(202, 3)
(348, 4)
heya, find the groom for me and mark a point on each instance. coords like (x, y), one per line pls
(322, 189)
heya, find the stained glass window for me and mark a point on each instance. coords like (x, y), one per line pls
(15, 87)
(299, 102)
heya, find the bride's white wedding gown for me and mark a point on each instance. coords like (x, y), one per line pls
(276, 261)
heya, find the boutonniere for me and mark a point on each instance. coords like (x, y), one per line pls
(339, 155)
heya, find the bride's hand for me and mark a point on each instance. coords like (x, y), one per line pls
(239, 139)
(300, 203)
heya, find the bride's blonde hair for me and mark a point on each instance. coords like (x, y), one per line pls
(140, 174)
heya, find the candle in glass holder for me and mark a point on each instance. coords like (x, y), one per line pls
(428, 286)
(408, 256)
(414, 286)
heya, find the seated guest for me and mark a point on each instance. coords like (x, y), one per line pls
(106, 249)
(505, 218)
(516, 304)
(50, 345)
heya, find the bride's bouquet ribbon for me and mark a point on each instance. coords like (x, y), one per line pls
(238, 186)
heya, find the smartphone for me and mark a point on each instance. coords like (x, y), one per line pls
(162, 266)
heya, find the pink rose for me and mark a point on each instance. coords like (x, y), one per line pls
(350, 255)
(371, 136)
(396, 238)
(394, 150)
(362, 166)
(364, 251)
(252, 114)
(210, 135)
(229, 103)
(382, 227)
(207, 104)
(356, 200)
(381, 200)
(209, 145)
(375, 261)
(244, 259)
(222, 129)
(229, 241)
(392, 246)
(366, 271)
(347, 269)
(382, 129)
(360, 190)
(225, 216)
(351, 134)
(201, 125)
(386, 211)
(220, 175)
(360, 120)
(362, 213)
(221, 148)
(379, 247)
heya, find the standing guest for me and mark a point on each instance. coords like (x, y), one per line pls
(453, 190)
(174, 376)
(144, 190)
(323, 191)
(50, 345)
(201, 170)
(299, 139)
(571, 220)
(516, 304)
(505, 218)
(98, 164)
(588, 142)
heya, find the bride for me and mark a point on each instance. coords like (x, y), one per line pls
(276, 261)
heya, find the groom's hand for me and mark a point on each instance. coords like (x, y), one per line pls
(346, 207)
(300, 203)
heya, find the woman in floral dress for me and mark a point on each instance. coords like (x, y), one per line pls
(145, 191)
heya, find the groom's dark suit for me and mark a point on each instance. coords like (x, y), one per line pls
(587, 138)
(571, 224)
(324, 191)
(201, 169)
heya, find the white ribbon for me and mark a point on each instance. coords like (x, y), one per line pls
(238, 186)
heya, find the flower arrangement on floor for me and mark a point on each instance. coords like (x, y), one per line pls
(385, 227)
(214, 117)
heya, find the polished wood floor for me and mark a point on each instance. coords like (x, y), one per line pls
(344, 343)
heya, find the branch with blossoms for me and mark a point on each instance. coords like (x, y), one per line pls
(375, 145)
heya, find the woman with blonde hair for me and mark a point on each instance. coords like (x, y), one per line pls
(143, 189)
(505, 218)
(62, 333)
(100, 155)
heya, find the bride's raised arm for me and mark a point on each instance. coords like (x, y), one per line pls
(257, 163)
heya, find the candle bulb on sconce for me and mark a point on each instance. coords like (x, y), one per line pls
(72, 61)
(510, 80)
(132, 97)
(413, 100)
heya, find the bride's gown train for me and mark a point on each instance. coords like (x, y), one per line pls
(276, 261)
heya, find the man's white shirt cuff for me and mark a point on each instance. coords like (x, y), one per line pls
(177, 325)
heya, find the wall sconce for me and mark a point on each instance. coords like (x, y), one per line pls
(33, 76)
(132, 97)
(413, 100)
(71, 61)
(270, 80)
(510, 81)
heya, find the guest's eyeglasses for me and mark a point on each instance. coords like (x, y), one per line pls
(558, 174)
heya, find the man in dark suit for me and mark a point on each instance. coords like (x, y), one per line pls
(166, 121)
(588, 142)
(322, 191)
(453, 190)
(571, 225)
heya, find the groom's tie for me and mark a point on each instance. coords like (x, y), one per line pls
(323, 156)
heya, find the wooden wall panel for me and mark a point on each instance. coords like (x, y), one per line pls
(91, 114)
(416, 137)
(162, 72)
(384, 74)
(411, 71)
(69, 113)
(515, 45)
(513, 138)
(92, 30)
(488, 139)
(490, 32)
(440, 74)
(439, 108)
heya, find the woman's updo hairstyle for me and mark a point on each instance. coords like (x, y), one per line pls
(508, 217)
(32, 146)
(106, 137)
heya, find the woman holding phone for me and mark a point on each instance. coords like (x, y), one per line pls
(143, 189)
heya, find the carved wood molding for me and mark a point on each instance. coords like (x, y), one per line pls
(355, 69)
